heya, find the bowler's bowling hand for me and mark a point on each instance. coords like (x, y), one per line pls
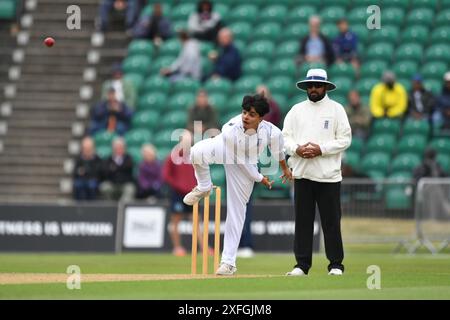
(266, 181)
(287, 175)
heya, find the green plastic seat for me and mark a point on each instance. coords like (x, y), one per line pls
(441, 145)
(441, 35)
(434, 70)
(135, 153)
(343, 85)
(380, 51)
(341, 70)
(148, 9)
(255, 66)
(170, 47)
(398, 198)
(103, 151)
(260, 48)
(218, 101)
(405, 69)
(405, 162)
(180, 101)
(139, 64)
(356, 145)
(387, 34)
(364, 86)
(444, 161)
(243, 12)
(393, 16)
(404, 4)
(136, 79)
(420, 16)
(329, 30)
(282, 102)
(381, 143)
(218, 85)
(409, 51)
(280, 84)
(414, 143)
(434, 85)
(304, 67)
(415, 34)
(375, 161)
(174, 119)
(156, 84)
(424, 3)
(137, 137)
(206, 48)
(332, 13)
(155, 101)
(247, 84)
(352, 159)
(288, 49)
(362, 33)
(145, 120)
(412, 126)
(300, 13)
(373, 69)
(161, 62)
(274, 13)
(438, 52)
(223, 9)
(358, 16)
(442, 18)
(386, 126)
(165, 138)
(284, 66)
(104, 138)
(445, 4)
(162, 153)
(187, 85)
(295, 31)
(141, 47)
(241, 30)
(182, 11)
(267, 31)
(218, 175)
(7, 9)
(179, 25)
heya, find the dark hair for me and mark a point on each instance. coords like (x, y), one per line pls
(183, 35)
(201, 3)
(258, 101)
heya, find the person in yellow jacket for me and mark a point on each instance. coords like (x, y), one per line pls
(389, 98)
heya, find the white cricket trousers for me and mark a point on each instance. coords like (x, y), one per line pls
(239, 190)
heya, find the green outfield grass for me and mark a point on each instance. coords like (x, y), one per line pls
(420, 276)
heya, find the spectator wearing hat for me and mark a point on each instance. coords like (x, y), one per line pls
(316, 47)
(125, 90)
(443, 104)
(204, 24)
(155, 27)
(420, 101)
(189, 61)
(316, 133)
(345, 45)
(388, 98)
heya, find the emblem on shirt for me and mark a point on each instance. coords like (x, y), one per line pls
(325, 124)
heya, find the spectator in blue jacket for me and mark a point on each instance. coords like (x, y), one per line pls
(346, 45)
(111, 115)
(228, 60)
(443, 105)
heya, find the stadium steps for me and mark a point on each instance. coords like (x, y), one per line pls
(40, 127)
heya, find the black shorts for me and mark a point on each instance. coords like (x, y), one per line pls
(177, 205)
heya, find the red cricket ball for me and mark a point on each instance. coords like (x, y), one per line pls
(49, 42)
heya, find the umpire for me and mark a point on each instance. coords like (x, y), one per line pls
(316, 132)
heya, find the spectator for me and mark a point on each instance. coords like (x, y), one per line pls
(125, 90)
(420, 100)
(388, 98)
(129, 7)
(228, 60)
(118, 174)
(189, 62)
(155, 27)
(178, 173)
(429, 167)
(149, 177)
(274, 115)
(358, 115)
(204, 24)
(346, 45)
(111, 115)
(202, 111)
(443, 104)
(86, 174)
(316, 47)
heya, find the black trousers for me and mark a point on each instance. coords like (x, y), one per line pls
(327, 197)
